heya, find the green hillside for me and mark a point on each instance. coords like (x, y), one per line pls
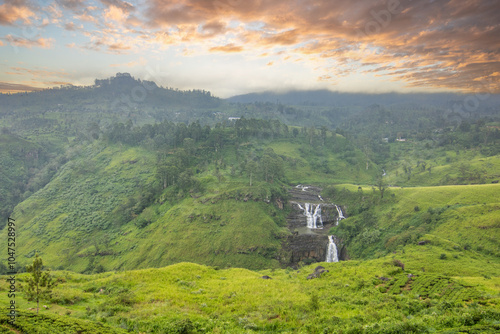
(106, 209)
(25, 166)
(458, 218)
(374, 296)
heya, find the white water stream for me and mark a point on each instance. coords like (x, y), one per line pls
(341, 214)
(331, 254)
(313, 215)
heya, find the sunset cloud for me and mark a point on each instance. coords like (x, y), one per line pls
(37, 73)
(116, 14)
(6, 87)
(230, 48)
(458, 37)
(446, 44)
(41, 42)
(12, 11)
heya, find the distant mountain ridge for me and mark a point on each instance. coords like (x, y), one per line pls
(122, 91)
(339, 99)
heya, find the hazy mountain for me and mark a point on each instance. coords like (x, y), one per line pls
(339, 99)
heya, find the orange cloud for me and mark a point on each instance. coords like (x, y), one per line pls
(6, 87)
(37, 72)
(116, 14)
(229, 48)
(118, 47)
(290, 37)
(44, 43)
(213, 28)
(450, 43)
(434, 44)
(11, 11)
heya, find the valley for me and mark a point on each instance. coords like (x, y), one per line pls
(193, 214)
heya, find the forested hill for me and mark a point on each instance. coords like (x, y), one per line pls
(121, 92)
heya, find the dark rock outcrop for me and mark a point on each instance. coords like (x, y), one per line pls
(317, 272)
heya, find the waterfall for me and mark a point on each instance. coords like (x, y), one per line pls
(312, 214)
(331, 254)
(341, 215)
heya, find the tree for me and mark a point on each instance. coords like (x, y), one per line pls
(323, 134)
(271, 166)
(251, 167)
(381, 185)
(40, 283)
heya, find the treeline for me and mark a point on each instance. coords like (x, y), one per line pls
(168, 135)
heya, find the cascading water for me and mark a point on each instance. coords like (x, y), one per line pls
(313, 215)
(341, 215)
(331, 254)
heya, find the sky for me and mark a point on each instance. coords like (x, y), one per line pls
(232, 47)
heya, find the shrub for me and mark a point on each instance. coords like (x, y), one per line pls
(314, 302)
(398, 263)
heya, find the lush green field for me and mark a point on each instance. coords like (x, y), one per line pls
(350, 298)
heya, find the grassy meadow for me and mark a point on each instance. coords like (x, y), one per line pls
(374, 296)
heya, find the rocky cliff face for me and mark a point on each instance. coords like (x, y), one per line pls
(306, 244)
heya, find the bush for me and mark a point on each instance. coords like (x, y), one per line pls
(398, 263)
(314, 302)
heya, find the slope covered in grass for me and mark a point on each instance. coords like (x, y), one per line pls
(20, 159)
(418, 163)
(336, 162)
(95, 214)
(81, 206)
(211, 201)
(373, 296)
(464, 218)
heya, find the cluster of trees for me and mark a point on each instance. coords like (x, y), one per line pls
(184, 150)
